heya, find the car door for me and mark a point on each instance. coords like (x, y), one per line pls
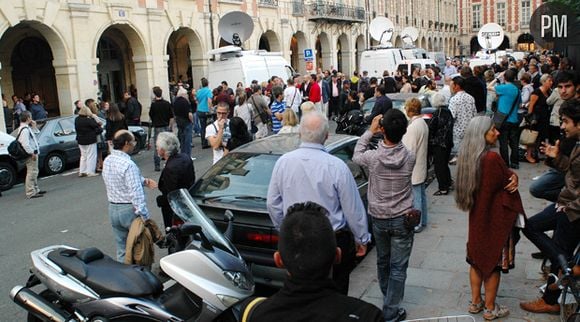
(345, 153)
(65, 138)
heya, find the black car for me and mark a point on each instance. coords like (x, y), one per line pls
(239, 182)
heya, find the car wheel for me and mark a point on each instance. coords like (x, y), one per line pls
(7, 176)
(54, 163)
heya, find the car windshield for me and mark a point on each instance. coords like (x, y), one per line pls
(238, 177)
(186, 209)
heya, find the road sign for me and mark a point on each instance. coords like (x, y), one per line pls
(308, 55)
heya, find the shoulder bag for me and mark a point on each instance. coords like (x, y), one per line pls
(16, 150)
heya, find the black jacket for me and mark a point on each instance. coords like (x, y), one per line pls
(113, 126)
(87, 130)
(181, 110)
(313, 301)
(178, 173)
(441, 128)
(474, 87)
(160, 113)
(133, 112)
(382, 105)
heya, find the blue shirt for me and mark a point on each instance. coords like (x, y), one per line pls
(309, 173)
(508, 94)
(202, 96)
(124, 182)
(277, 107)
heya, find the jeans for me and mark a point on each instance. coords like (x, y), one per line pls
(156, 131)
(548, 185)
(566, 237)
(420, 201)
(184, 135)
(203, 124)
(441, 165)
(509, 135)
(196, 127)
(121, 216)
(31, 181)
(394, 243)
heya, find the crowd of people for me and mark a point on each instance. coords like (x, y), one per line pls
(474, 109)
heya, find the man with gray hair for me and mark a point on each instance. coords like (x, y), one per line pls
(310, 173)
(178, 172)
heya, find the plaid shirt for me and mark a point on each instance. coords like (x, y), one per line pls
(124, 182)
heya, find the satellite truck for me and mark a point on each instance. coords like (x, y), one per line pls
(233, 64)
(385, 57)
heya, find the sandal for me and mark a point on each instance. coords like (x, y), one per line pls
(441, 193)
(499, 311)
(475, 308)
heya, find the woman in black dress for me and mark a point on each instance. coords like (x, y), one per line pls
(539, 114)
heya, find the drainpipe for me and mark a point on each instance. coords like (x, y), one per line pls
(211, 25)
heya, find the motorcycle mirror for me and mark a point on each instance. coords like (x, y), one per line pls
(228, 215)
(229, 218)
(191, 229)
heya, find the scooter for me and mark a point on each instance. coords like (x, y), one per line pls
(207, 279)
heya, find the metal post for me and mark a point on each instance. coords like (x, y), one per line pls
(211, 25)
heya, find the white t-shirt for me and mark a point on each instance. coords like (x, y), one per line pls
(211, 130)
(293, 98)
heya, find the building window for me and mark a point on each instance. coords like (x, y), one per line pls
(526, 13)
(501, 14)
(476, 21)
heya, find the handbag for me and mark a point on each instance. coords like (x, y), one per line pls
(16, 150)
(499, 118)
(412, 219)
(528, 137)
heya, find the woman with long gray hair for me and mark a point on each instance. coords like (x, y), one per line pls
(489, 191)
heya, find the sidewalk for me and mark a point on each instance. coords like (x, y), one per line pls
(437, 278)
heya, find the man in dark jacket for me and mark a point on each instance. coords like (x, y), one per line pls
(382, 104)
(133, 109)
(474, 87)
(308, 293)
(184, 120)
(178, 173)
(161, 115)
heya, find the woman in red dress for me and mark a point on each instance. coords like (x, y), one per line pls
(488, 190)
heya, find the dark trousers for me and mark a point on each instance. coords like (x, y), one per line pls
(341, 271)
(203, 124)
(509, 136)
(548, 185)
(333, 106)
(441, 164)
(566, 237)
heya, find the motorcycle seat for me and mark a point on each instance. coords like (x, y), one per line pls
(104, 275)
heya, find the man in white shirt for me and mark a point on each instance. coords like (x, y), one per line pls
(218, 133)
(27, 138)
(292, 96)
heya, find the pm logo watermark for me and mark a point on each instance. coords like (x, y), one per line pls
(553, 24)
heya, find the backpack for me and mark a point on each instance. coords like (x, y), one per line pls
(16, 150)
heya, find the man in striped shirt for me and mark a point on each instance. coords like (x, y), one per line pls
(278, 107)
(125, 192)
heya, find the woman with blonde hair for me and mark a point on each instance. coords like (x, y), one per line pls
(289, 122)
(307, 107)
(489, 191)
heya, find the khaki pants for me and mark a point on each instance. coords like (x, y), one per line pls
(31, 183)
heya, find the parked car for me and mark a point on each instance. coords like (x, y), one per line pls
(398, 100)
(9, 168)
(58, 146)
(239, 182)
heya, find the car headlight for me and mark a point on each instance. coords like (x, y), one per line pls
(240, 280)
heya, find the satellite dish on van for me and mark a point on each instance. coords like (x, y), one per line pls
(236, 27)
(490, 36)
(381, 29)
(409, 35)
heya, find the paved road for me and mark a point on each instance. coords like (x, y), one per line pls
(73, 212)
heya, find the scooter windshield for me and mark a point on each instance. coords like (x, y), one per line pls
(185, 208)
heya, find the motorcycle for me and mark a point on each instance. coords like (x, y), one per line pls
(207, 278)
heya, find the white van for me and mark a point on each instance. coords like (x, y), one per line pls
(376, 61)
(407, 66)
(233, 65)
(414, 53)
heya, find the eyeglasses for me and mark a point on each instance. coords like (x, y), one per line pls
(222, 113)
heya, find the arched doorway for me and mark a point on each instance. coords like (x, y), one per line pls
(27, 57)
(185, 57)
(505, 43)
(359, 48)
(474, 46)
(323, 56)
(526, 42)
(269, 42)
(116, 70)
(297, 46)
(343, 55)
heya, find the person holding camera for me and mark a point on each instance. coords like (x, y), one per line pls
(390, 203)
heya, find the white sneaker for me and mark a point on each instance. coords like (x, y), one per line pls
(92, 174)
